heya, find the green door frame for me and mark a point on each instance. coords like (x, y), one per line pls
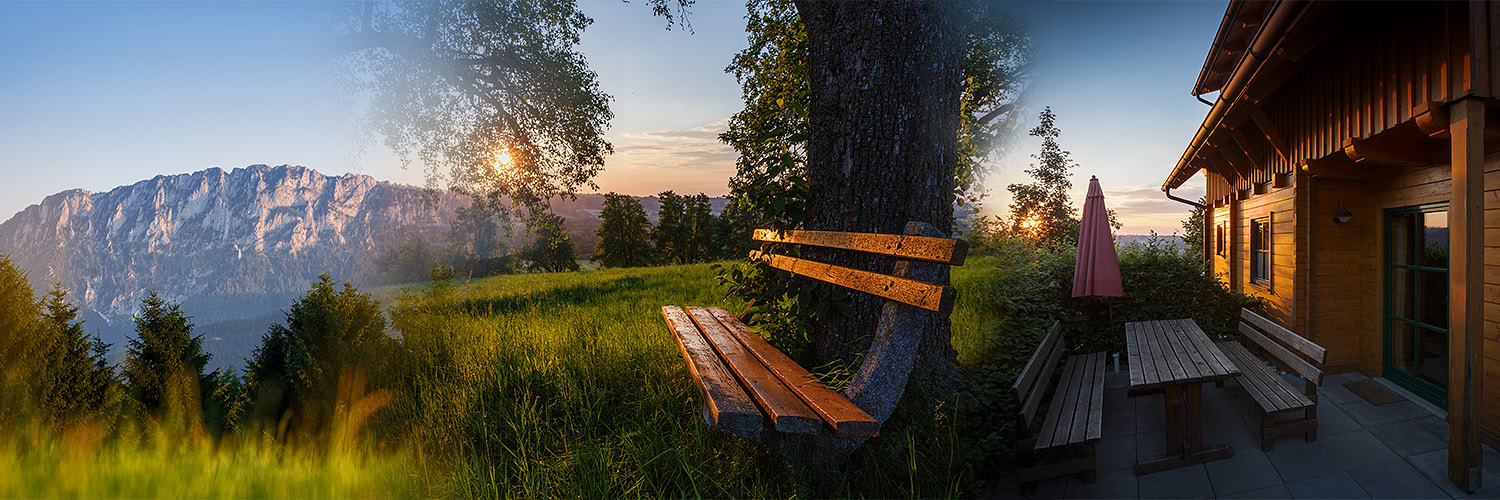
(1426, 390)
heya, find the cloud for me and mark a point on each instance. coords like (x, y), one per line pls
(685, 160)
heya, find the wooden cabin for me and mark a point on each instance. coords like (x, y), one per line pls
(1354, 185)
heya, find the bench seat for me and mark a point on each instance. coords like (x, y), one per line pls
(748, 386)
(1267, 387)
(1077, 411)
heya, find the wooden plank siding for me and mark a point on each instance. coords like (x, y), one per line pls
(1279, 296)
(1361, 80)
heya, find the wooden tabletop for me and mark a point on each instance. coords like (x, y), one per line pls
(1173, 352)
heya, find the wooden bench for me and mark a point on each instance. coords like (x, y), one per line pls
(1273, 393)
(752, 390)
(1074, 419)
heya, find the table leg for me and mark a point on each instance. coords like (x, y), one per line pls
(1184, 434)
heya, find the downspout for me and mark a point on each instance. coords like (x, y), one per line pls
(1207, 253)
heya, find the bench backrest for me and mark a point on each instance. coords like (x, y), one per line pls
(1032, 383)
(930, 296)
(1293, 351)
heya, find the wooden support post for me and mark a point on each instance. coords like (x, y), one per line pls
(1466, 289)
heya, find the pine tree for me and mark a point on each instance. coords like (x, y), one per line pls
(331, 335)
(77, 383)
(21, 344)
(672, 235)
(164, 363)
(624, 233)
(700, 221)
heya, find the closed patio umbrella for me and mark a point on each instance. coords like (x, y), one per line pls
(1097, 272)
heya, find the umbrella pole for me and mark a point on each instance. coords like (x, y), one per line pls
(1110, 302)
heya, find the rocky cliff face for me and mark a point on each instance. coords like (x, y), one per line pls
(232, 238)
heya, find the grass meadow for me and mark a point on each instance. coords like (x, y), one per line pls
(520, 386)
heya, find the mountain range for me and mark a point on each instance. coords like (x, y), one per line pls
(235, 247)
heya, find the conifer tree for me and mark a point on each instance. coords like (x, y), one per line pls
(164, 362)
(21, 345)
(700, 221)
(624, 233)
(672, 235)
(77, 383)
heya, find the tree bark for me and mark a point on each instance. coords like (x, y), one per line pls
(885, 81)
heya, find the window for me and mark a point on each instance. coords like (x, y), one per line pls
(1260, 251)
(1219, 239)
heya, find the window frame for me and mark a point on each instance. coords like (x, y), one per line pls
(1219, 239)
(1261, 259)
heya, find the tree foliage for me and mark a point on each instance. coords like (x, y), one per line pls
(552, 250)
(702, 228)
(624, 233)
(77, 383)
(331, 335)
(1192, 230)
(164, 362)
(473, 233)
(457, 84)
(672, 235)
(20, 343)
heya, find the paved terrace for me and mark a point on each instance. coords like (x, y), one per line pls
(1396, 450)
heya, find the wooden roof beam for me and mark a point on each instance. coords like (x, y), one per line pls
(1334, 167)
(1225, 166)
(1389, 152)
(1432, 119)
(1236, 157)
(1271, 132)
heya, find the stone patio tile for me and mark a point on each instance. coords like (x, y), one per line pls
(1491, 462)
(1396, 480)
(1117, 400)
(1115, 453)
(1408, 438)
(1241, 472)
(1359, 449)
(1437, 426)
(1369, 415)
(1338, 485)
(1492, 493)
(1187, 482)
(1148, 401)
(1234, 433)
(1150, 418)
(1296, 460)
(1118, 422)
(1332, 420)
(1278, 491)
(1335, 393)
(1434, 465)
(1117, 484)
(1150, 444)
(1116, 380)
(1049, 489)
(1410, 410)
(1221, 410)
(1343, 378)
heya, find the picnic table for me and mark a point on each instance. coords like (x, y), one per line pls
(1176, 357)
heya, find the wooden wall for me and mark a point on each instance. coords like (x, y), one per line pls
(1280, 295)
(1338, 270)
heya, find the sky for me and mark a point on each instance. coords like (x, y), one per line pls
(98, 95)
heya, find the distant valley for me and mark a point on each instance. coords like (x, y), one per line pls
(236, 247)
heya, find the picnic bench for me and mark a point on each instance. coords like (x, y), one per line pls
(1272, 393)
(1074, 419)
(750, 389)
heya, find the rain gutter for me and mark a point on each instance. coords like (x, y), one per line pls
(1266, 38)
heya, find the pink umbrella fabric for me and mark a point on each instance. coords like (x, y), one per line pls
(1097, 273)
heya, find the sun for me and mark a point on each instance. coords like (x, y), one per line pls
(502, 159)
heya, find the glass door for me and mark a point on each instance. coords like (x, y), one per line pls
(1416, 300)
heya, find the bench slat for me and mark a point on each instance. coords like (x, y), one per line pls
(1276, 393)
(787, 410)
(842, 415)
(1085, 402)
(1050, 425)
(1027, 379)
(1250, 367)
(924, 248)
(1314, 351)
(1215, 358)
(1133, 356)
(1096, 401)
(725, 404)
(1030, 405)
(1294, 361)
(924, 295)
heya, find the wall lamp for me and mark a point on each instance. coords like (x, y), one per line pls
(1344, 215)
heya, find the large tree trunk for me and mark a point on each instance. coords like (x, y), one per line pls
(885, 81)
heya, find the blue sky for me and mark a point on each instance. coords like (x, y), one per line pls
(96, 95)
